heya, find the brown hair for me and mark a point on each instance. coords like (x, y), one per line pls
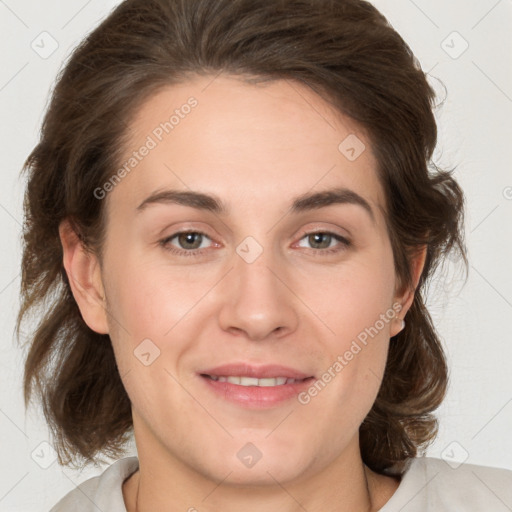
(345, 51)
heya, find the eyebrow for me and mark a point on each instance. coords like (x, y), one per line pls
(305, 202)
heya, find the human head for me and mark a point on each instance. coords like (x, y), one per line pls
(343, 51)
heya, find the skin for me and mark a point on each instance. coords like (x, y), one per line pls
(256, 147)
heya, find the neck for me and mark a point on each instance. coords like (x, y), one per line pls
(341, 487)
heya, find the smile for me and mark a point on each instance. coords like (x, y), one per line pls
(252, 381)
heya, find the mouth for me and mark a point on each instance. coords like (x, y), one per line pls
(241, 380)
(255, 387)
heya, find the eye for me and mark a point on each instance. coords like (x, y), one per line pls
(190, 241)
(322, 242)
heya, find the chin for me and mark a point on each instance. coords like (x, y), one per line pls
(261, 463)
(263, 474)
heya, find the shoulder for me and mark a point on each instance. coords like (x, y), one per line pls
(430, 484)
(102, 492)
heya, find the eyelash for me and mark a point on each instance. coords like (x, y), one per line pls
(198, 252)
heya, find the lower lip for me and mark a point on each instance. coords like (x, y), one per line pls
(257, 397)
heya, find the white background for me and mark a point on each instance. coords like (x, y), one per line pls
(475, 136)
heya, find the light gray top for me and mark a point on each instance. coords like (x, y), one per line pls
(428, 485)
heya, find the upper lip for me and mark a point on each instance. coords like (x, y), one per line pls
(256, 371)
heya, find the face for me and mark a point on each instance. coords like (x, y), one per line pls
(253, 281)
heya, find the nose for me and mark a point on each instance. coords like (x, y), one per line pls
(257, 300)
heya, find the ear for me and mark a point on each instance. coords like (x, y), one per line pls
(406, 297)
(84, 275)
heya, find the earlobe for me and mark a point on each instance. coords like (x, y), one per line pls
(84, 276)
(407, 297)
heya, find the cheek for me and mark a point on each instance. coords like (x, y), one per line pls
(148, 309)
(155, 318)
(351, 299)
(345, 392)
(150, 298)
(356, 306)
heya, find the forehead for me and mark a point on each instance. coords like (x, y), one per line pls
(245, 143)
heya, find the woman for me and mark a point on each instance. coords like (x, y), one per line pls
(285, 359)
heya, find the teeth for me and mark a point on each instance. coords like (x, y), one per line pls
(247, 381)
(278, 381)
(252, 381)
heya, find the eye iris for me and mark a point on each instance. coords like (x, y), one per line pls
(185, 238)
(315, 236)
